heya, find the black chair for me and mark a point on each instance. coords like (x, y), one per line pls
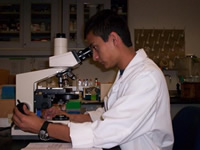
(186, 127)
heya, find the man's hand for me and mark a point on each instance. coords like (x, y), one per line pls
(32, 123)
(28, 122)
(52, 112)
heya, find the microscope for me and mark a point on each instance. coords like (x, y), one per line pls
(36, 98)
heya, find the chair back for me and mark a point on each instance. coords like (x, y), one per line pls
(186, 127)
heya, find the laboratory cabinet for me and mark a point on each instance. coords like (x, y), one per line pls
(28, 27)
(41, 23)
(75, 15)
(28, 23)
(10, 23)
(120, 6)
(77, 12)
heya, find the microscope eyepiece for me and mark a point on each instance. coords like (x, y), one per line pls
(86, 53)
(82, 54)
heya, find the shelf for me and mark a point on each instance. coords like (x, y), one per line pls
(40, 32)
(73, 32)
(73, 13)
(9, 32)
(10, 13)
(41, 13)
(124, 14)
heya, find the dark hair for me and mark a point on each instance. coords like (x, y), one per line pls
(106, 21)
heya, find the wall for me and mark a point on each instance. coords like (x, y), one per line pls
(91, 70)
(145, 14)
(23, 64)
(87, 70)
(170, 14)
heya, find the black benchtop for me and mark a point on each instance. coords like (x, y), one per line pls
(7, 143)
(181, 100)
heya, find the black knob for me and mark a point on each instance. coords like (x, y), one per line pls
(20, 106)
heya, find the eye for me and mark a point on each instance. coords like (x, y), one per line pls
(94, 47)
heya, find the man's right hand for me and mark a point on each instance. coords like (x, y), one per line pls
(52, 112)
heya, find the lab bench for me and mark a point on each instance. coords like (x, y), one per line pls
(181, 100)
(7, 143)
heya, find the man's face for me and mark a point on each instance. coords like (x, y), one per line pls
(103, 52)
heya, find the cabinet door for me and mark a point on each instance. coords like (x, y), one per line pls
(75, 15)
(88, 9)
(70, 20)
(40, 23)
(11, 27)
(120, 6)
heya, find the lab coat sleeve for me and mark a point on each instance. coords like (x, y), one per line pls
(132, 115)
(86, 128)
(81, 135)
(96, 115)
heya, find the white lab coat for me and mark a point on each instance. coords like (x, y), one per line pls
(136, 115)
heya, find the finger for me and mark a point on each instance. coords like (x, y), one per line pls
(51, 111)
(17, 112)
(47, 114)
(16, 118)
(19, 115)
(27, 112)
(54, 109)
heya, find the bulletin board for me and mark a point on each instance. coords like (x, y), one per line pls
(163, 46)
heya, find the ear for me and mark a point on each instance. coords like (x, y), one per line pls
(114, 37)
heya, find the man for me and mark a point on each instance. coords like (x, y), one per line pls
(136, 115)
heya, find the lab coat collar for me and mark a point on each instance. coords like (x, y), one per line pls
(140, 56)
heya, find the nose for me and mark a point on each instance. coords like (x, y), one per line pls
(95, 56)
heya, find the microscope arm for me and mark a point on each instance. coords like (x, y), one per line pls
(26, 84)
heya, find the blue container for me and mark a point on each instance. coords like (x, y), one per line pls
(8, 92)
